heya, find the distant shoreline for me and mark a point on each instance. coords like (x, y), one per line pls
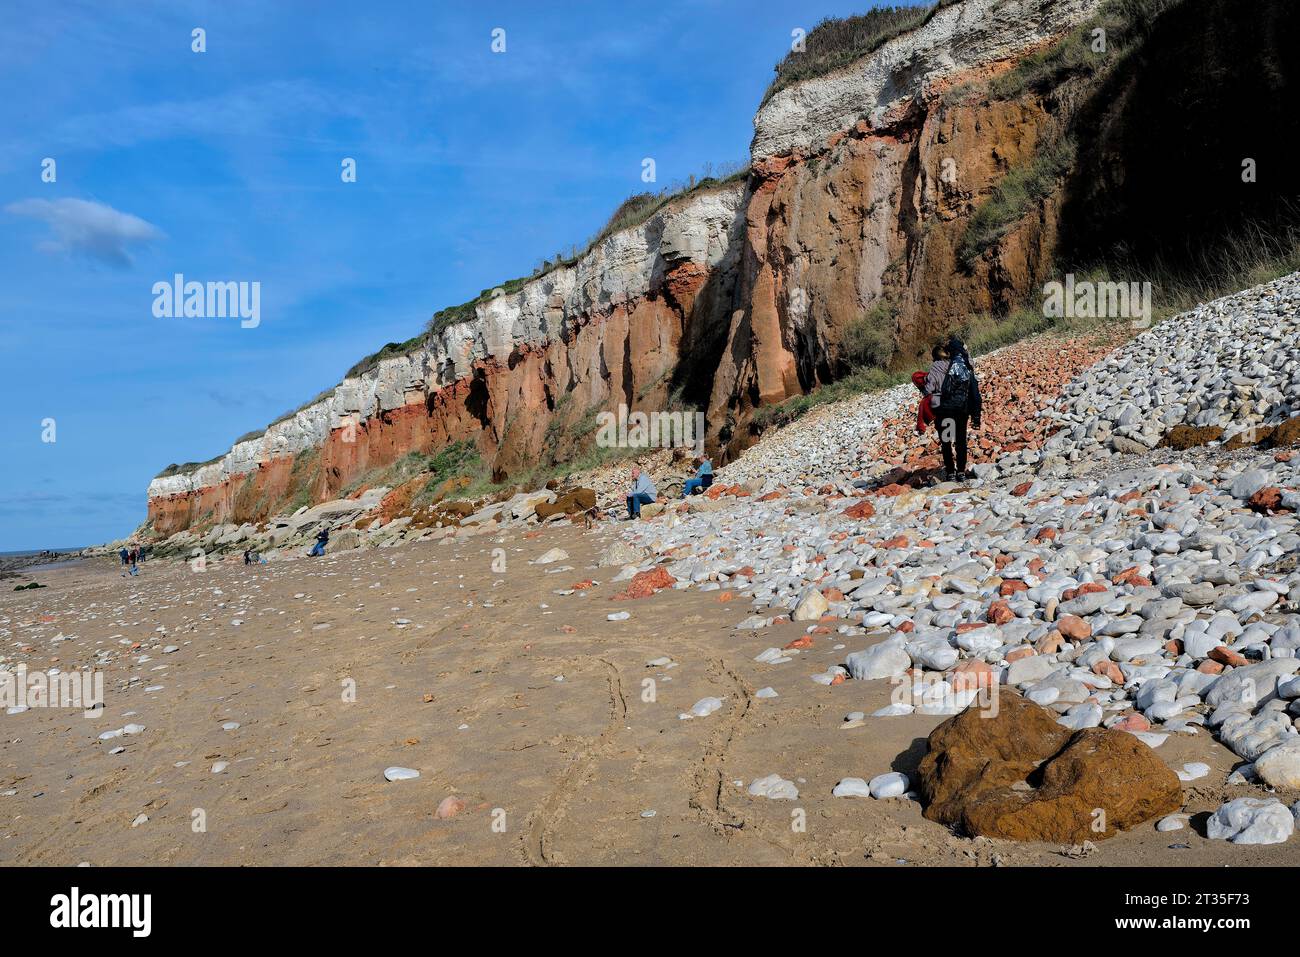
(12, 562)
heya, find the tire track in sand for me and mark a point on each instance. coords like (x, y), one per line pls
(706, 789)
(537, 846)
(709, 781)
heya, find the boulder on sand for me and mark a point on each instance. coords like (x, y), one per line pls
(347, 538)
(573, 502)
(811, 607)
(1018, 775)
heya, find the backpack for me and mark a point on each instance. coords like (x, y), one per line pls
(954, 393)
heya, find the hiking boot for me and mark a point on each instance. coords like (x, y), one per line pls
(947, 475)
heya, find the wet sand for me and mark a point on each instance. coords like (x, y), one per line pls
(565, 744)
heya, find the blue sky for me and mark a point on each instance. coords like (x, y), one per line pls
(225, 165)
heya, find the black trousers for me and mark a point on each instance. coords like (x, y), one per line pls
(952, 432)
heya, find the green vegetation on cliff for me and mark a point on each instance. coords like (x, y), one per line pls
(1082, 52)
(1022, 190)
(835, 43)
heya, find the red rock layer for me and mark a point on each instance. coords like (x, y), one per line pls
(519, 410)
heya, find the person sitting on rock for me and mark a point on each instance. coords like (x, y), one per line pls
(703, 479)
(642, 493)
(322, 539)
(955, 393)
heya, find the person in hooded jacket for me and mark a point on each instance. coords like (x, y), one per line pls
(955, 394)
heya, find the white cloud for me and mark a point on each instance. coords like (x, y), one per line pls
(90, 228)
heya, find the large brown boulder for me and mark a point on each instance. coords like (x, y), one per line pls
(1288, 433)
(573, 502)
(1184, 437)
(1020, 776)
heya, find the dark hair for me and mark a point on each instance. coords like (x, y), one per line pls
(957, 348)
(936, 351)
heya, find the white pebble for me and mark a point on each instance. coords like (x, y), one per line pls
(888, 785)
(851, 787)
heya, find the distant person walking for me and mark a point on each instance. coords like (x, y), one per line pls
(248, 556)
(125, 556)
(955, 394)
(703, 479)
(322, 539)
(642, 492)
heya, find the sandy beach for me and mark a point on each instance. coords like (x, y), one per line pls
(533, 709)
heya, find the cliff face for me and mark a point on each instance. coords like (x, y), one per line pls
(697, 300)
(862, 184)
(614, 327)
(864, 187)
(867, 184)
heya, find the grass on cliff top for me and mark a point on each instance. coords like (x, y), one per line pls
(185, 468)
(835, 43)
(632, 212)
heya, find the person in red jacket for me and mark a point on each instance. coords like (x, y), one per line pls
(924, 409)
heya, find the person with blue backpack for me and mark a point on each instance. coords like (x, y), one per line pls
(955, 394)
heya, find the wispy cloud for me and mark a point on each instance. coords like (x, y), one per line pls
(89, 228)
(243, 398)
(258, 110)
